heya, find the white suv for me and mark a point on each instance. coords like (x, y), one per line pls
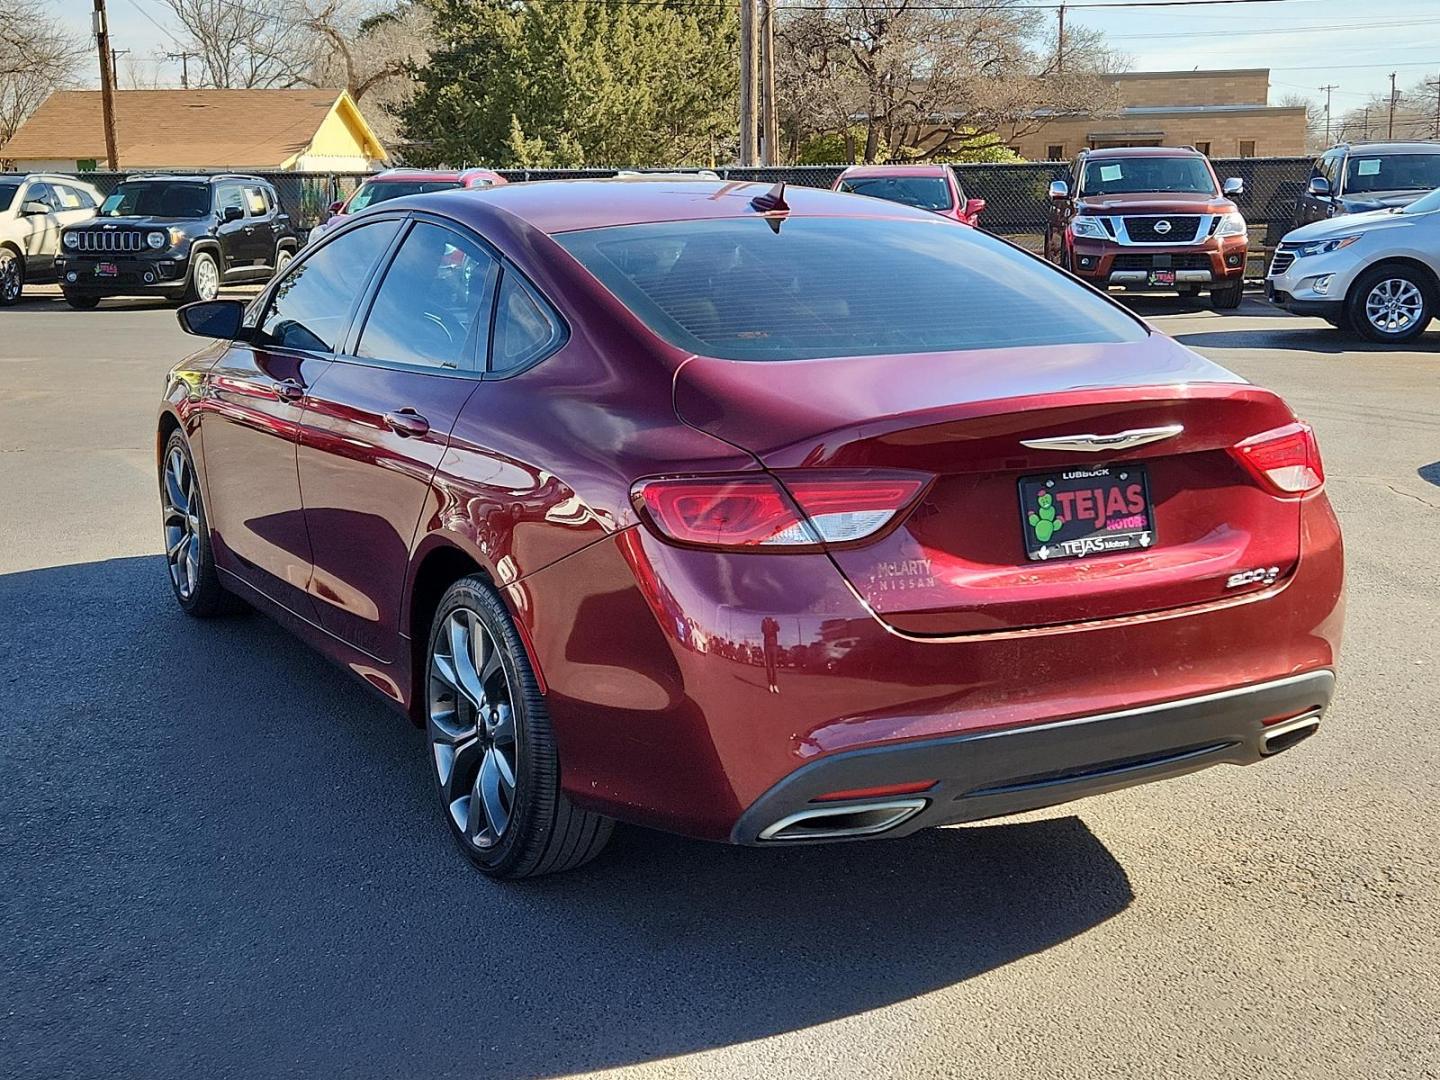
(33, 210)
(1376, 273)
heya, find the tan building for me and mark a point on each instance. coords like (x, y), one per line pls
(289, 130)
(1221, 113)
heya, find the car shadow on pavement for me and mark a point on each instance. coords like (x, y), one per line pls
(224, 860)
(1430, 472)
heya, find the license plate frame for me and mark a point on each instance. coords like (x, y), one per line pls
(1162, 277)
(1126, 524)
(107, 269)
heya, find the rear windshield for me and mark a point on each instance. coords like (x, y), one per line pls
(383, 191)
(840, 287)
(926, 192)
(1129, 176)
(1392, 172)
(158, 198)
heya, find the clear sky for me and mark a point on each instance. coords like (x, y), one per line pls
(1305, 43)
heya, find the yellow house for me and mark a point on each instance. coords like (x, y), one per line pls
(270, 130)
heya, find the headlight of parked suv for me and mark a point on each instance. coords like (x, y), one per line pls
(72, 240)
(1088, 226)
(1324, 247)
(1231, 225)
(156, 240)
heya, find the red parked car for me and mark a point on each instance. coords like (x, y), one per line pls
(396, 183)
(767, 517)
(926, 187)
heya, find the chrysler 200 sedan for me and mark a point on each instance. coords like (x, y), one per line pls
(765, 516)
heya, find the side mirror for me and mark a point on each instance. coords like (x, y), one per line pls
(221, 319)
(231, 213)
(337, 206)
(33, 208)
(1059, 191)
(1318, 186)
(974, 206)
(1234, 186)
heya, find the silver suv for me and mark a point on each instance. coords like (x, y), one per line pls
(33, 210)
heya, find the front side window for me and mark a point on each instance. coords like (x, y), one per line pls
(158, 198)
(436, 292)
(840, 287)
(41, 193)
(230, 195)
(378, 191)
(1392, 172)
(310, 307)
(924, 192)
(1123, 176)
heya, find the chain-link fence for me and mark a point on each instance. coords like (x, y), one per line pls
(1016, 205)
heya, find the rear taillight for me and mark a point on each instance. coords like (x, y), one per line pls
(1286, 460)
(785, 512)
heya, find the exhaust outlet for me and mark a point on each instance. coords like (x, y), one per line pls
(1286, 734)
(843, 822)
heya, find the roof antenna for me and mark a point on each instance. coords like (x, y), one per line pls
(773, 205)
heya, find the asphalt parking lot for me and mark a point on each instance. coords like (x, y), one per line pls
(221, 856)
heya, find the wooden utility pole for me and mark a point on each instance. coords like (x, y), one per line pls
(107, 85)
(1060, 44)
(769, 114)
(1328, 91)
(747, 82)
(184, 58)
(1393, 96)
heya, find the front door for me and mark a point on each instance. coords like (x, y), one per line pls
(255, 398)
(379, 423)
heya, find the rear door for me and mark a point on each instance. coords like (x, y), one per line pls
(260, 225)
(256, 395)
(378, 424)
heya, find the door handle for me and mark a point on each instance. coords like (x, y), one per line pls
(289, 390)
(407, 423)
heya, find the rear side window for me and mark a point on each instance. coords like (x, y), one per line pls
(435, 297)
(310, 308)
(840, 287)
(255, 201)
(525, 329)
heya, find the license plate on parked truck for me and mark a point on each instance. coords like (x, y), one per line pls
(107, 269)
(1079, 512)
(1162, 277)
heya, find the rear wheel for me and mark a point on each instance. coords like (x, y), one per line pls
(82, 301)
(490, 746)
(12, 277)
(1392, 304)
(1227, 297)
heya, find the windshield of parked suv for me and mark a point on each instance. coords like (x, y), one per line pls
(1124, 176)
(378, 191)
(1426, 204)
(1391, 172)
(158, 198)
(7, 195)
(926, 192)
(840, 287)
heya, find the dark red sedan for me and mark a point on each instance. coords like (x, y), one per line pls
(766, 516)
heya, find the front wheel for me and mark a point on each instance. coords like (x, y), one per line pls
(1227, 297)
(1391, 304)
(12, 277)
(282, 260)
(204, 277)
(491, 749)
(188, 556)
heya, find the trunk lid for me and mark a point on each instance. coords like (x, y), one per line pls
(957, 564)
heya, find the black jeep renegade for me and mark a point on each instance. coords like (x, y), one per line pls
(180, 237)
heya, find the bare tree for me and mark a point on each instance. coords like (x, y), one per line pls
(923, 82)
(371, 50)
(247, 43)
(37, 57)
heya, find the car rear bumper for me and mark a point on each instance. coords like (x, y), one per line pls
(992, 773)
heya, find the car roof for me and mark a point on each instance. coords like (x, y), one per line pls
(557, 206)
(1392, 148)
(1142, 151)
(400, 176)
(930, 169)
(196, 178)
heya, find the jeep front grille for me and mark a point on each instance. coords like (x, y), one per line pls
(96, 240)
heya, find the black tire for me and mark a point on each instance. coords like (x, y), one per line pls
(12, 276)
(201, 263)
(205, 597)
(283, 259)
(1340, 322)
(544, 833)
(82, 301)
(1377, 277)
(1227, 297)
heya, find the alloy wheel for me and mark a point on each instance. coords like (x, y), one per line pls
(207, 279)
(182, 523)
(10, 279)
(472, 729)
(1394, 305)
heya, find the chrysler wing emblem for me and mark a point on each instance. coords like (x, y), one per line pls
(1162, 226)
(1094, 444)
